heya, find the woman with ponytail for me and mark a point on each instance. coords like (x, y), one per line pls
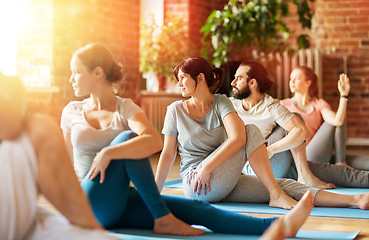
(110, 139)
(327, 128)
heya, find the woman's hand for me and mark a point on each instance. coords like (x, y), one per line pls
(202, 180)
(99, 165)
(344, 85)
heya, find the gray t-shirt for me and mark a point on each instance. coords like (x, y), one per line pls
(88, 141)
(266, 114)
(197, 138)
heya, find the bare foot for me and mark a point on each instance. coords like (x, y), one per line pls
(294, 219)
(362, 201)
(282, 201)
(169, 224)
(274, 232)
(313, 181)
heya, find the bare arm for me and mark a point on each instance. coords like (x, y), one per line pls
(68, 145)
(144, 145)
(338, 118)
(167, 157)
(236, 132)
(236, 139)
(297, 133)
(56, 177)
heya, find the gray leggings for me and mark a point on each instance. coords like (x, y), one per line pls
(227, 183)
(283, 166)
(328, 137)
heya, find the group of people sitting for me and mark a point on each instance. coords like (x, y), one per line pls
(248, 148)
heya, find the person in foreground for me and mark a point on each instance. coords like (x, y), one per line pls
(284, 132)
(327, 128)
(214, 145)
(112, 139)
(34, 161)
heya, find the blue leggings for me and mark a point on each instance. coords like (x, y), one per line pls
(193, 212)
(109, 199)
(116, 205)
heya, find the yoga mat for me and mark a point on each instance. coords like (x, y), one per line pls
(144, 234)
(177, 183)
(351, 212)
(316, 212)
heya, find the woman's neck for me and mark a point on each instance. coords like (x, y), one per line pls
(302, 99)
(202, 102)
(103, 99)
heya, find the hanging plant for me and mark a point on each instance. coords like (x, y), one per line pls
(253, 25)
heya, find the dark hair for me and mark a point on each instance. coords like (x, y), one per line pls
(260, 74)
(96, 55)
(310, 75)
(194, 66)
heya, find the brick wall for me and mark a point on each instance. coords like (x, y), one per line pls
(344, 26)
(71, 25)
(195, 13)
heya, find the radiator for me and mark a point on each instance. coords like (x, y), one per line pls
(154, 104)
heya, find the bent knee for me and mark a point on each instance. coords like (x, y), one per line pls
(123, 136)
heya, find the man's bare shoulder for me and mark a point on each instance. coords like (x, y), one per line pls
(42, 130)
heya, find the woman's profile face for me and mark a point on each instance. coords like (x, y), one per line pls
(298, 82)
(81, 78)
(186, 84)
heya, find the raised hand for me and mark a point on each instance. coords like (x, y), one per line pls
(344, 85)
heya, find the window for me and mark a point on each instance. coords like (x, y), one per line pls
(26, 42)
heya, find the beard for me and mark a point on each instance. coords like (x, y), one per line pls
(241, 94)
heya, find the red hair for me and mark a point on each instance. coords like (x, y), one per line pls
(310, 75)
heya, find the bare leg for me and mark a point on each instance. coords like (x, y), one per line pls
(274, 232)
(288, 225)
(259, 162)
(169, 224)
(305, 176)
(328, 199)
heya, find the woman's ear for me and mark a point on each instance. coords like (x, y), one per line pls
(98, 72)
(201, 78)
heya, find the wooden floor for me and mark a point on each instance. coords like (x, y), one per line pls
(313, 223)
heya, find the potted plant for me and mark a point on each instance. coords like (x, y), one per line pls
(162, 47)
(252, 25)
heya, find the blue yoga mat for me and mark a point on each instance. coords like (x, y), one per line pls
(144, 234)
(351, 212)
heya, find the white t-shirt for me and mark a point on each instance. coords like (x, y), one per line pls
(20, 217)
(88, 141)
(266, 114)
